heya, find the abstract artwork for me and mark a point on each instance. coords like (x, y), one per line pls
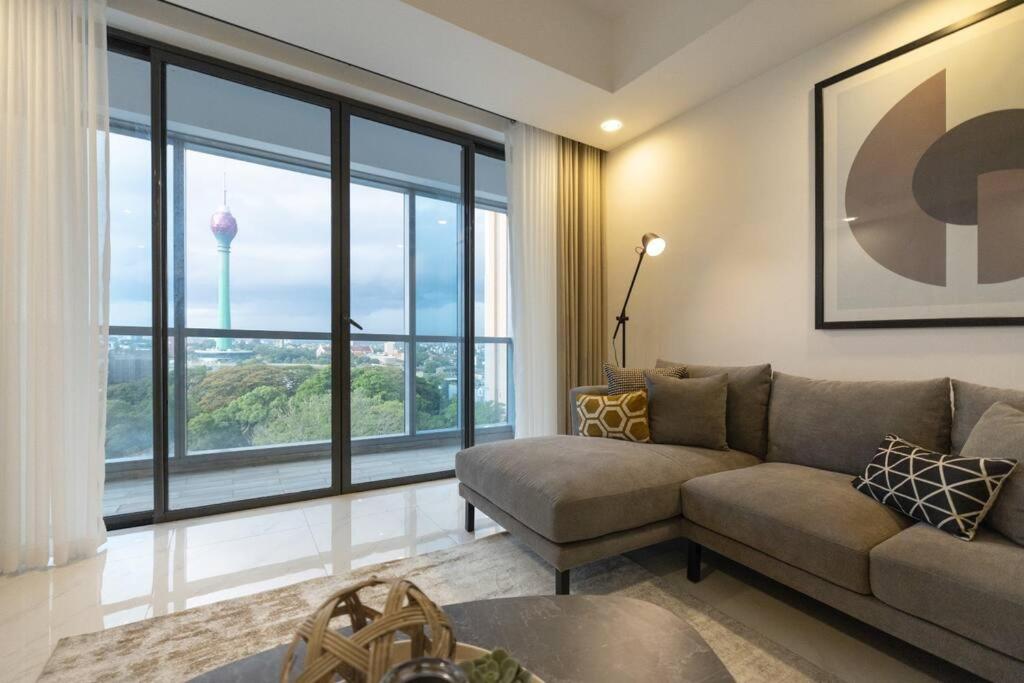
(920, 181)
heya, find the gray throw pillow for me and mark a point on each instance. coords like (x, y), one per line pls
(687, 412)
(1000, 434)
(746, 418)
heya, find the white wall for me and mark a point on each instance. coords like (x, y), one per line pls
(730, 187)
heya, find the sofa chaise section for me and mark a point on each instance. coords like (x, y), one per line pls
(572, 489)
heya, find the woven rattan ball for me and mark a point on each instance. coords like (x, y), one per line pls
(365, 656)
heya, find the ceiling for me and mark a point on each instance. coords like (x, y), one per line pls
(561, 65)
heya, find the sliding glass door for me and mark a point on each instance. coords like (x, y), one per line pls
(407, 288)
(249, 207)
(257, 228)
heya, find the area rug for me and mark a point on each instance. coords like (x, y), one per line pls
(180, 646)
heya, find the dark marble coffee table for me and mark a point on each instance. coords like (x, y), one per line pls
(562, 639)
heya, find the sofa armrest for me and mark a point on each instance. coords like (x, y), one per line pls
(574, 419)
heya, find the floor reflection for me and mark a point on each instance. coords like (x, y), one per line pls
(161, 569)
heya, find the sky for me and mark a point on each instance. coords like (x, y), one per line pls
(281, 257)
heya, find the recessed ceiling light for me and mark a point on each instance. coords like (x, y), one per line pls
(611, 125)
(850, 219)
(441, 221)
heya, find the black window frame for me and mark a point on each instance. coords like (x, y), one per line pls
(159, 54)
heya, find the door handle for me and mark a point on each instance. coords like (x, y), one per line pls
(354, 324)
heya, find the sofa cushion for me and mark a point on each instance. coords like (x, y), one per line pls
(688, 412)
(1000, 434)
(970, 401)
(746, 404)
(837, 425)
(574, 395)
(622, 416)
(809, 518)
(625, 380)
(974, 589)
(571, 488)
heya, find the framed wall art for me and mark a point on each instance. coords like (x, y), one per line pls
(920, 181)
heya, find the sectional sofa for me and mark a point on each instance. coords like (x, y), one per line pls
(780, 502)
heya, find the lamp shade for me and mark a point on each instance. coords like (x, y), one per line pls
(653, 244)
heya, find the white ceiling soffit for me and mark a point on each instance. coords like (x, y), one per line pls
(561, 65)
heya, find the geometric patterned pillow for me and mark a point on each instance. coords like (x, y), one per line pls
(622, 380)
(949, 492)
(622, 416)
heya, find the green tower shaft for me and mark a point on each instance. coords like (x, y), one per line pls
(224, 295)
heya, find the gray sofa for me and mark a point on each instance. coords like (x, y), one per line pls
(781, 503)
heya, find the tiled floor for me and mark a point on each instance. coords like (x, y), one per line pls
(162, 569)
(197, 488)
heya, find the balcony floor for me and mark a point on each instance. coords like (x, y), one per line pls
(197, 488)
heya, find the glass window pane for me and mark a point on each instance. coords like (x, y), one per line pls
(129, 436)
(378, 389)
(250, 206)
(257, 196)
(379, 249)
(438, 267)
(131, 220)
(406, 281)
(129, 446)
(437, 386)
(492, 384)
(259, 394)
(491, 290)
(493, 391)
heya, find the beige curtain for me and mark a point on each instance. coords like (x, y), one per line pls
(582, 336)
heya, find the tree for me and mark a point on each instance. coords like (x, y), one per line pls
(306, 418)
(317, 385)
(371, 417)
(490, 413)
(380, 382)
(214, 430)
(256, 407)
(129, 418)
(218, 388)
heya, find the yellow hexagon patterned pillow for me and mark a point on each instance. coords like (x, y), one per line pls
(622, 416)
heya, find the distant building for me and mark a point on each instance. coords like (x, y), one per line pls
(129, 365)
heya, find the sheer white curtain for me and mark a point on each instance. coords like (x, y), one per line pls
(531, 156)
(54, 237)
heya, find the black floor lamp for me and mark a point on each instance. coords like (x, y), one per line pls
(652, 244)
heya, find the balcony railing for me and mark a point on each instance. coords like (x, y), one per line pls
(289, 365)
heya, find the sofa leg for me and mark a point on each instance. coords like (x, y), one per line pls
(470, 517)
(693, 561)
(561, 582)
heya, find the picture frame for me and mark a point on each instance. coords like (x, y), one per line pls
(910, 147)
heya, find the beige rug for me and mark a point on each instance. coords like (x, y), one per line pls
(179, 646)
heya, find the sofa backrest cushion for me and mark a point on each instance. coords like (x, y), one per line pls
(1000, 434)
(836, 425)
(970, 401)
(746, 412)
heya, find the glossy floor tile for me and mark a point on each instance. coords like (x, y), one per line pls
(156, 570)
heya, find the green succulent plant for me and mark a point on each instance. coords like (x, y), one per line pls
(497, 667)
